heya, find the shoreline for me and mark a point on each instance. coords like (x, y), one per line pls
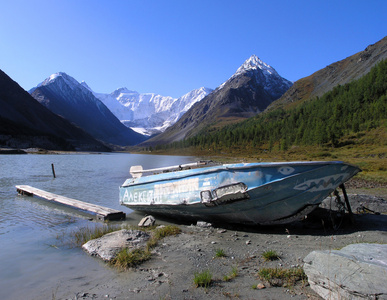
(169, 273)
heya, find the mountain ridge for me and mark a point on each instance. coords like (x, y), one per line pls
(149, 113)
(247, 92)
(65, 96)
(25, 123)
(340, 72)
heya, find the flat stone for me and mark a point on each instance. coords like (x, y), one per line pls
(357, 271)
(107, 246)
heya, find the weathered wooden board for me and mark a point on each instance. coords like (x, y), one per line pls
(103, 213)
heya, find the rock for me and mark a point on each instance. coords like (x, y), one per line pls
(203, 224)
(357, 271)
(147, 221)
(107, 246)
(260, 286)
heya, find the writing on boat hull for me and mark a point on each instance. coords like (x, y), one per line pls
(160, 193)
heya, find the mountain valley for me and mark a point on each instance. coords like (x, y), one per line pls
(124, 118)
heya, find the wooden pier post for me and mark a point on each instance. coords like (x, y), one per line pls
(53, 170)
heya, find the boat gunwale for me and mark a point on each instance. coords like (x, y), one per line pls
(224, 167)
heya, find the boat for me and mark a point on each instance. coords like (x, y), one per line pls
(244, 193)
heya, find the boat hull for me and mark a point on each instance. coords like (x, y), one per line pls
(256, 193)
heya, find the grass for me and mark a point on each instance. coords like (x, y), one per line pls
(282, 277)
(270, 255)
(366, 150)
(160, 233)
(130, 258)
(220, 253)
(78, 237)
(203, 279)
(232, 275)
(126, 258)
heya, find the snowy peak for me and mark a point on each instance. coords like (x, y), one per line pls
(70, 81)
(264, 76)
(186, 101)
(123, 91)
(74, 101)
(254, 63)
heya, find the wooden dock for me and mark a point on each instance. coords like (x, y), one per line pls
(102, 213)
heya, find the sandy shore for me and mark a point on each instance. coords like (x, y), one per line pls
(170, 272)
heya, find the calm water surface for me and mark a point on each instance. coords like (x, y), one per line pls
(32, 258)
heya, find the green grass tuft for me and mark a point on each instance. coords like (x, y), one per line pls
(220, 253)
(160, 233)
(270, 255)
(130, 258)
(232, 275)
(281, 277)
(203, 279)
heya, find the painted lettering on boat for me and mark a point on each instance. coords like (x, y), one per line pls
(161, 193)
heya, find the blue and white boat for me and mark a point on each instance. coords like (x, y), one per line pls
(244, 193)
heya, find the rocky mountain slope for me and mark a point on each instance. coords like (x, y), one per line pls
(25, 123)
(66, 97)
(341, 72)
(253, 87)
(149, 113)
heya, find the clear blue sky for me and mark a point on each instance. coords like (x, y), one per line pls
(171, 47)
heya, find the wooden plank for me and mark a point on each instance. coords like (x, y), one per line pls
(103, 213)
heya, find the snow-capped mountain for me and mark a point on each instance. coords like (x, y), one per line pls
(66, 97)
(246, 93)
(265, 75)
(25, 123)
(149, 113)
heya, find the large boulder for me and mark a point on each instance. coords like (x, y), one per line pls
(358, 271)
(107, 246)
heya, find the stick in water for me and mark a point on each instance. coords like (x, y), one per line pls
(53, 170)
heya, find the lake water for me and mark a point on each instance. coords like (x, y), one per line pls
(33, 261)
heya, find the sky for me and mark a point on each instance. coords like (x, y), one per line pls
(171, 47)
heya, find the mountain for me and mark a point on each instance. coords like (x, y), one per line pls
(352, 116)
(149, 113)
(338, 73)
(249, 91)
(25, 123)
(66, 97)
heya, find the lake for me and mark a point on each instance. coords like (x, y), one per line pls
(33, 260)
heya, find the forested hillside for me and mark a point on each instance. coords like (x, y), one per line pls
(350, 110)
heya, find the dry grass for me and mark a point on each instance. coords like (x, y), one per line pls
(282, 277)
(78, 237)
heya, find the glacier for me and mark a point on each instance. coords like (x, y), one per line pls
(149, 113)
